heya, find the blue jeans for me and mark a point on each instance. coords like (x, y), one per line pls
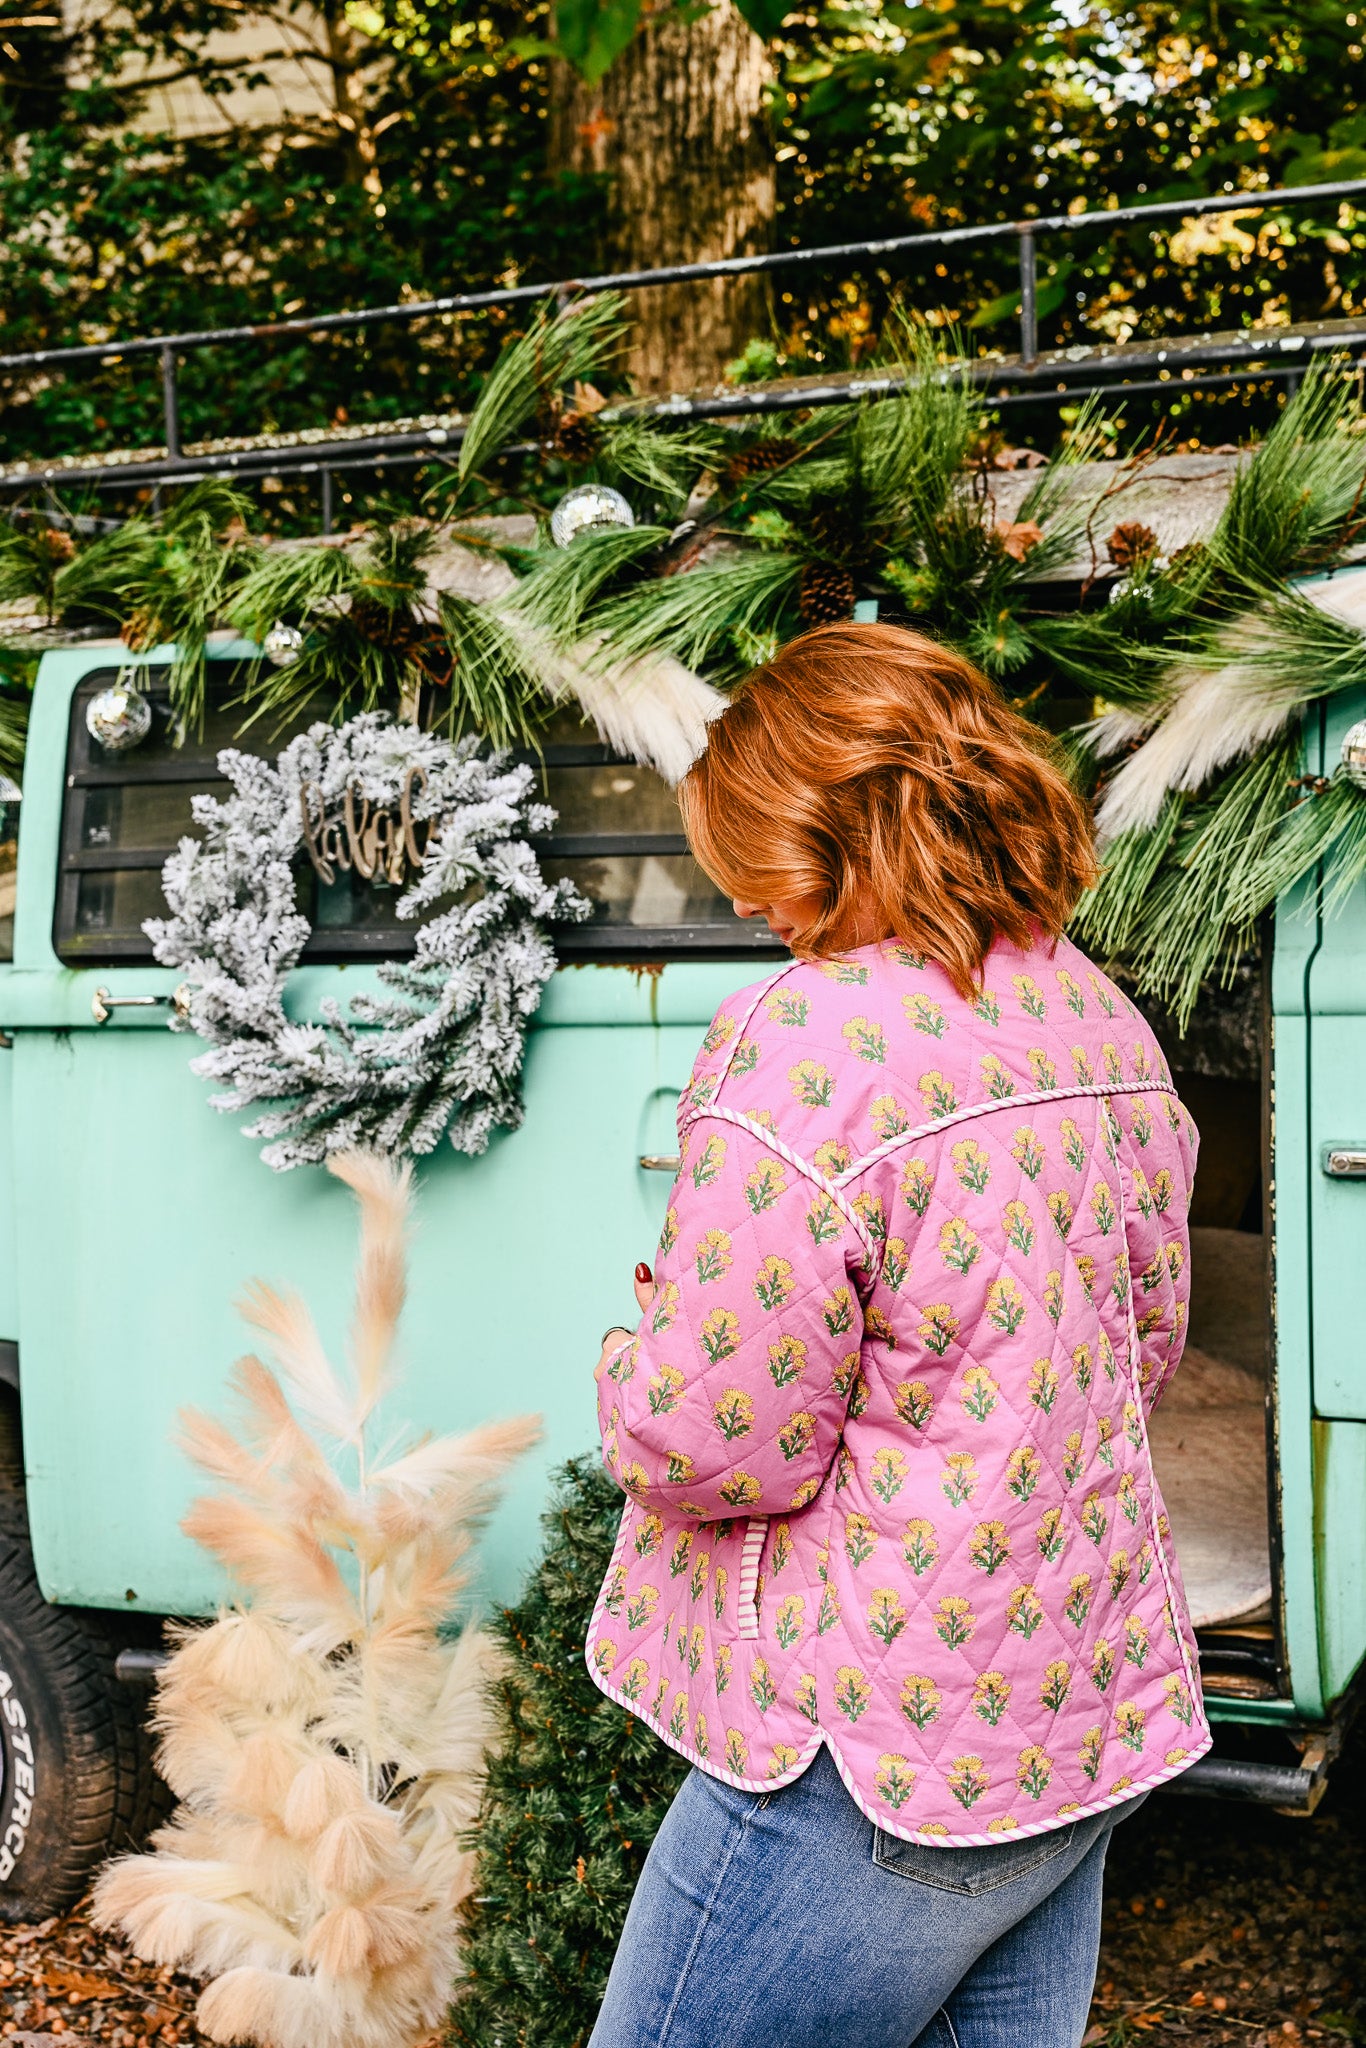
(787, 1920)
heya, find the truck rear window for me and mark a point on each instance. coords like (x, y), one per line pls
(618, 835)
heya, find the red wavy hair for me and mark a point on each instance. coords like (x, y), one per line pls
(869, 758)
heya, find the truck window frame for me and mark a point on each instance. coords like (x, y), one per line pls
(88, 768)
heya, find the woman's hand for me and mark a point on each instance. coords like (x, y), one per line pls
(614, 1338)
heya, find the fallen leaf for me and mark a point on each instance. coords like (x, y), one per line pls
(75, 1984)
(1017, 537)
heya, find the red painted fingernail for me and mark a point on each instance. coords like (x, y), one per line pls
(642, 1271)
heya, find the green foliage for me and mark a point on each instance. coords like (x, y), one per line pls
(562, 583)
(692, 616)
(663, 465)
(557, 349)
(494, 689)
(1180, 902)
(939, 117)
(1305, 486)
(576, 1792)
(32, 556)
(1211, 656)
(179, 586)
(17, 672)
(1199, 912)
(159, 580)
(108, 226)
(593, 33)
(887, 117)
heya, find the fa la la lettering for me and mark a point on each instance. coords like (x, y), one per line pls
(380, 842)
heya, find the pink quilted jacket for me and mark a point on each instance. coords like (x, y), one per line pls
(883, 1431)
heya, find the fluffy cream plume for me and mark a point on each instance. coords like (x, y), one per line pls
(652, 710)
(1217, 715)
(1219, 710)
(324, 1741)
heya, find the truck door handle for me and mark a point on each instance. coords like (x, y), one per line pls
(103, 1005)
(1345, 1162)
(660, 1162)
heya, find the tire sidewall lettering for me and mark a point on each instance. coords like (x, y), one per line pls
(18, 1775)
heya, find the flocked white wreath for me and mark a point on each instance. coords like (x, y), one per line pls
(441, 1048)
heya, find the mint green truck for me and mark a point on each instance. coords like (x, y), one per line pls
(131, 1215)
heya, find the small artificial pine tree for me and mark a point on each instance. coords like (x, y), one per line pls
(576, 1791)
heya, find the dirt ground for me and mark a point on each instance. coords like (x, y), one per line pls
(1229, 1923)
(1223, 1924)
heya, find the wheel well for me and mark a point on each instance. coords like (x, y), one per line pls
(13, 1512)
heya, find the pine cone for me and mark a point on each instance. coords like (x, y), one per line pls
(56, 543)
(831, 524)
(1131, 543)
(396, 630)
(826, 593)
(577, 435)
(758, 460)
(139, 631)
(1186, 560)
(410, 639)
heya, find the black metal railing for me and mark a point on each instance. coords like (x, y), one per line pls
(303, 457)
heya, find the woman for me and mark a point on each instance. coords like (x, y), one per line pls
(894, 1571)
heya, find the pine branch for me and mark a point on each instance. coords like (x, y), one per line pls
(1199, 913)
(663, 461)
(1105, 919)
(1323, 840)
(563, 583)
(1300, 497)
(574, 345)
(496, 689)
(692, 616)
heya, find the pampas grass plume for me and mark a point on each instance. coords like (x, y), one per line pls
(266, 1765)
(322, 1790)
(340, 1942)
(356, 1852)
(324, 1740)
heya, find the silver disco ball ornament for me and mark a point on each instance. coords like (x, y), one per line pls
(283, 644)
(1354, 753)
(588, 508)
(119, 717)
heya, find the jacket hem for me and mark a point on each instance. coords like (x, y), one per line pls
(823, 1739)
(986, 1840)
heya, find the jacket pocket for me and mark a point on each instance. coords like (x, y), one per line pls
(747, 1593)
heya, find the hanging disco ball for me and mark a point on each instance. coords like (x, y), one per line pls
(1354, 753)
(119, 717)
(588, 508)
(283, 644)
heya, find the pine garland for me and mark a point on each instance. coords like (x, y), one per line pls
(1200, 667)
(575, 1794)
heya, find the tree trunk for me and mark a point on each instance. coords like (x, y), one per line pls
(679, 124)
(348, 56)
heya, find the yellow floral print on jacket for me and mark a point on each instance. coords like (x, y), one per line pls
(883, 1428)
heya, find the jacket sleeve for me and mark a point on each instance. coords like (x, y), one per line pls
(1160, 1176)
(732, 1394)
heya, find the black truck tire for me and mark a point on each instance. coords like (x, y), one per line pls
(77, 1782)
